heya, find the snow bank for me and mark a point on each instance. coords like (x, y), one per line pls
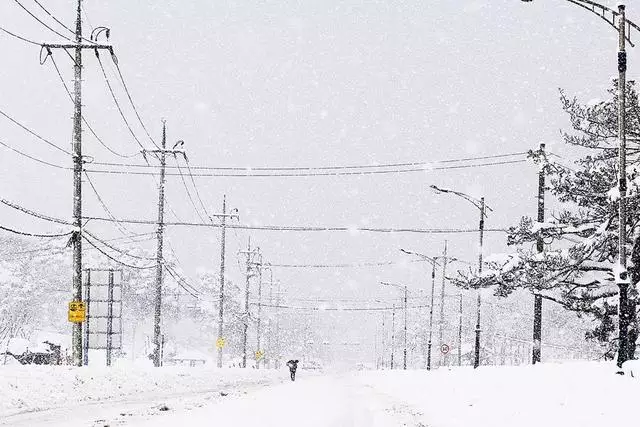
(30, 388)
(562, 395)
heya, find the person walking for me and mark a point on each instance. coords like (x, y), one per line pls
(293, 365)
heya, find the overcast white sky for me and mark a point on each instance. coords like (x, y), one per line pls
(310, 83)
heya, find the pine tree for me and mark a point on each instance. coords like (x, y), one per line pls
(577, 268)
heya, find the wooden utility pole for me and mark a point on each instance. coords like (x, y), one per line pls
(537, 299)
(77, 47)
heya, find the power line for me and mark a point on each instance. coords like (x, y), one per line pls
(22, 233)
(306, 228)
(133, 105)
(296, 174)
(337, 308)
(32, 157)
(349, 265)
(53, 17)
(24, 39)
(258, 227)
(115, 100)
(193, 181)
(46, 141)
(114, 259)
(113, 248)
(182, 282)
(121, 227)
(323, 168)
(66, 88)
(42, 22)
(195, 208)
(33, 213)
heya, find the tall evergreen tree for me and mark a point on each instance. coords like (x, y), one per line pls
(578, 268)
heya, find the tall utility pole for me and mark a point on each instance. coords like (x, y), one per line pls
(245, 331)
(77, 47)
(404, 352)
(259, 320)
(277, 359)
(441, 328)
(382, 342)
(476, 360)
(460, 331)
(624, 352)
(222, 259)
(161, 154)
(223, 221)
(433, 288)
(245, 327)
(537, 299)
(270, 330)
(157, 358)
(393, 333)
(404, 358)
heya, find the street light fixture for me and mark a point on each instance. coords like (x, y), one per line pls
(434, 261)
(404, 361)
(618, 20)
(479, 204)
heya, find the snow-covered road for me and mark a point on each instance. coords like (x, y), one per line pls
(553, 395)
(322, 401)
(318, 400)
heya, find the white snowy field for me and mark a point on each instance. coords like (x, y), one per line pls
(564, 395)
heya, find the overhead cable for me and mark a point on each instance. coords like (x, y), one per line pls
(323, 168)
(115, 100)
(306, 228)
(84, 120)
(46, 141)
(24, 39)
(133, 105)
(22, 233)
(41, 22)
(339, 308)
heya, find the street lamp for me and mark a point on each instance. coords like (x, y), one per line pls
(618, 20)
(404, 361)
(479, 204)
(433, 261)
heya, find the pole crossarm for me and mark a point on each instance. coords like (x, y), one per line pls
(608, 15)
(76, 46)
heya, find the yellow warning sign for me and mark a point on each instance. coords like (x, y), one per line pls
(220, 342)
(77, 311)
(259, 354)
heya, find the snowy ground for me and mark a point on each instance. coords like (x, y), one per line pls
(563, 395)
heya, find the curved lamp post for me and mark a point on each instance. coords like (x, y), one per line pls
(479, 204)
(434, 262)
(618, 20)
